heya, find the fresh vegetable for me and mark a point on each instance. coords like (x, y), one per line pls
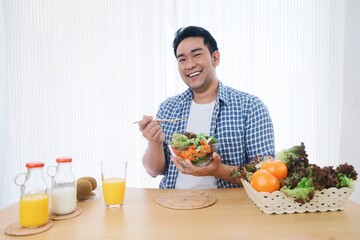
(246, 170)
(346, 175)
(303, 179)
(315, 177)
(295, 154)
(193, 151)
(263, 181)
(195, 148)
(303, 192)
(297, 163)
(276, 167)
(182, 141)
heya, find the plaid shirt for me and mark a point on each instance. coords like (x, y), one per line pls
(240, 122)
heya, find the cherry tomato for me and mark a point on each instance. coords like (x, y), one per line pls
(276, 167)
(263, 181)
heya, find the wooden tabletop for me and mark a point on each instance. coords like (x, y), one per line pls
(233, 216)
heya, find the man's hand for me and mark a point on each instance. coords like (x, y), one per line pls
(212, 169)
(151, 130)
(154, 157)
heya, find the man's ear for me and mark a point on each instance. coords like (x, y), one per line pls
(215, 58)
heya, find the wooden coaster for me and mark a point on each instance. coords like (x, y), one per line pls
(55, 217)
(186, 199)
(16, 229)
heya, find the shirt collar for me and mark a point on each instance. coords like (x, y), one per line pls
(222, 94)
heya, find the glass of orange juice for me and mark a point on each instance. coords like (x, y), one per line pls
(113, 176)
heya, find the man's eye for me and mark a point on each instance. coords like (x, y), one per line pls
(197, 55)
(181, 60)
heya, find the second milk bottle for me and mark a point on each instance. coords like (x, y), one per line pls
(63, 190)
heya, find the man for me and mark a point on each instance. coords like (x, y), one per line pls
(240, 122)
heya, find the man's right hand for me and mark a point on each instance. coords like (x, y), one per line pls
(154, 157)
(151, 130)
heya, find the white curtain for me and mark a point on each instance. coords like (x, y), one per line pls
(78, 73)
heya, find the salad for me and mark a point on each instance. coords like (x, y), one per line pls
(197, 148)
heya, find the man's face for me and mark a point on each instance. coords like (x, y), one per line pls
(195, 63)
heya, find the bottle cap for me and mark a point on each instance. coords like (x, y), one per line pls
(34, 164)
(64, 159)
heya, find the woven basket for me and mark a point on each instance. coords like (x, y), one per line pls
(331, 199)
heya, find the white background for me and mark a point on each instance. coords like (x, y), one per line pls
(75, 74)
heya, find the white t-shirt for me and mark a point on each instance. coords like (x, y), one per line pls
(199, 122)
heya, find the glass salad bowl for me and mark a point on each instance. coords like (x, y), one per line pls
(198, 148)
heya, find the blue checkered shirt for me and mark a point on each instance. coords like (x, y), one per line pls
(240, 122)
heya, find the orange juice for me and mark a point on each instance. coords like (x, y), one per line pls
(114, 191)
(34, 210)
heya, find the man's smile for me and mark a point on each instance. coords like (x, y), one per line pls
(193, 74)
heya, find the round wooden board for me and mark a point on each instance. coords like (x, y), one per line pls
(16, 229)
(186, 199)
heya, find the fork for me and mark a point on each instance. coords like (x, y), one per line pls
(164, 120)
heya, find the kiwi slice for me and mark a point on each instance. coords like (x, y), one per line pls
(92, 181)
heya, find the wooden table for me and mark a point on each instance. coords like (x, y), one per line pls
(233, 216)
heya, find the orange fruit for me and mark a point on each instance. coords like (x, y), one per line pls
(264, 181)
(276, 167)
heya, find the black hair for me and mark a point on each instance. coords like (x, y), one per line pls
(194, 31)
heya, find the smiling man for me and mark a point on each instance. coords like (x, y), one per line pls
(240, 121)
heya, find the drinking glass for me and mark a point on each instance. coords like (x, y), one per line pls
(113, 176)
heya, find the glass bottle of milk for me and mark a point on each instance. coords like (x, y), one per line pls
(63, 190)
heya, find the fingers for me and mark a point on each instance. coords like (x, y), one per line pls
(185, 163)
(145, 121)
(216, 157)
(182, 165)
(157, 134)
(154, 128)
(151, 130)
